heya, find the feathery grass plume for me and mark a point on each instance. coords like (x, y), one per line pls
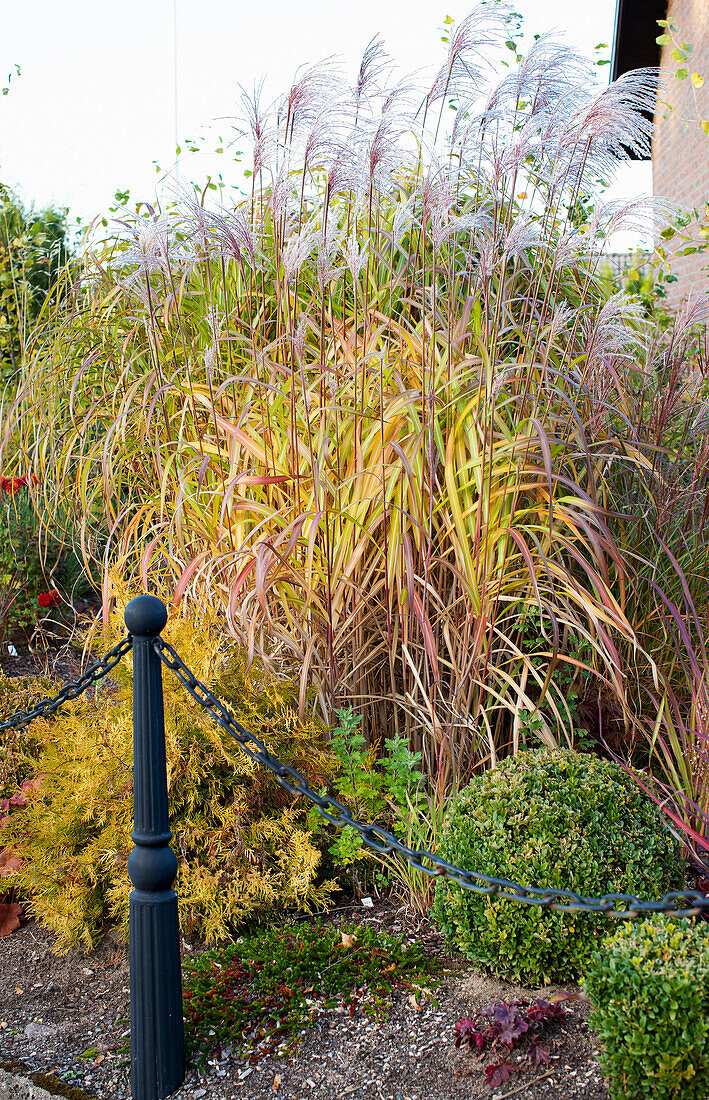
(374, 65)
(375, 415)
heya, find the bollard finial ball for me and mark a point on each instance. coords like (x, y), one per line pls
(145, 615)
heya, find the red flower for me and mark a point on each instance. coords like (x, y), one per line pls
(49, 599)
(12, 484)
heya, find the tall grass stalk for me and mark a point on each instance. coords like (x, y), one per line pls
(370, 412)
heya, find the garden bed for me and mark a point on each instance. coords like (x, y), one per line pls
(57, 659)
(66, 1015)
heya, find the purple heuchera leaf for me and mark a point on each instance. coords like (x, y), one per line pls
(466, 1031)
(538, 1055)
(542, 1010)
(478, 1038)
(497, 1075)
(508, 1024)
(502, 1011)
(509, 1021)
(510, 1033)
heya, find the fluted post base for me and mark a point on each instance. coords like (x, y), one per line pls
(157, 1055)
(157, 1051)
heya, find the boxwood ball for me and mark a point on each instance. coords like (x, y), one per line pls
(549, 818)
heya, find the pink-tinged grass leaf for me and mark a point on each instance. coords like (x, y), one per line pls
(185, 578)
(145, 561)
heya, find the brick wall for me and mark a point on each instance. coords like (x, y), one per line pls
(680, 152)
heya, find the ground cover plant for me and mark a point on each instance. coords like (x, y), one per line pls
(243, 844)
(371, 412)
(257, 994)
(650, 988)
(549, 818)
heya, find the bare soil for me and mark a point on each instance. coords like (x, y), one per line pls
(49, 656)
(64, 1019)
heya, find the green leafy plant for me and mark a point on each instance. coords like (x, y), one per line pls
(358, 784)
(33, 250)
(567, 668)
(649, 985)
(372, 786)
(256, 994)
(357, 781)
(681, 54)
(550, 819)
(390, 790)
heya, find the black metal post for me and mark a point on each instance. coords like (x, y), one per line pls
(157, 1053)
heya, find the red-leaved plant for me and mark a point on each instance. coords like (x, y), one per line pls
(507, 1023)
(10, 909)
(49, 599)
(10, 859)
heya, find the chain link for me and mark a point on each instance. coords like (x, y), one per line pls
(680, 903)
(70, 691)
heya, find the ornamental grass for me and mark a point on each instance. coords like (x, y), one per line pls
(381, 413)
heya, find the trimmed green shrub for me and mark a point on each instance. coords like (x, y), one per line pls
(650, 989)
(551, 818)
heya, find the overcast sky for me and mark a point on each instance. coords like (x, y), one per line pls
(95, 104)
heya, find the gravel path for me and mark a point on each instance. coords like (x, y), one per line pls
(64, 1019)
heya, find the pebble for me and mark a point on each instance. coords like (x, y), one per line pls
(39, 1031)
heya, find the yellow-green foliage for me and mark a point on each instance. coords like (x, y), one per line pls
(242, 842)
(17, 745)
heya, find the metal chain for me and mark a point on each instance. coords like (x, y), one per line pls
(680, 903)
(70, 691)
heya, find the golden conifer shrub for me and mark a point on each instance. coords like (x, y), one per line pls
(242, 842)
(17, 745)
